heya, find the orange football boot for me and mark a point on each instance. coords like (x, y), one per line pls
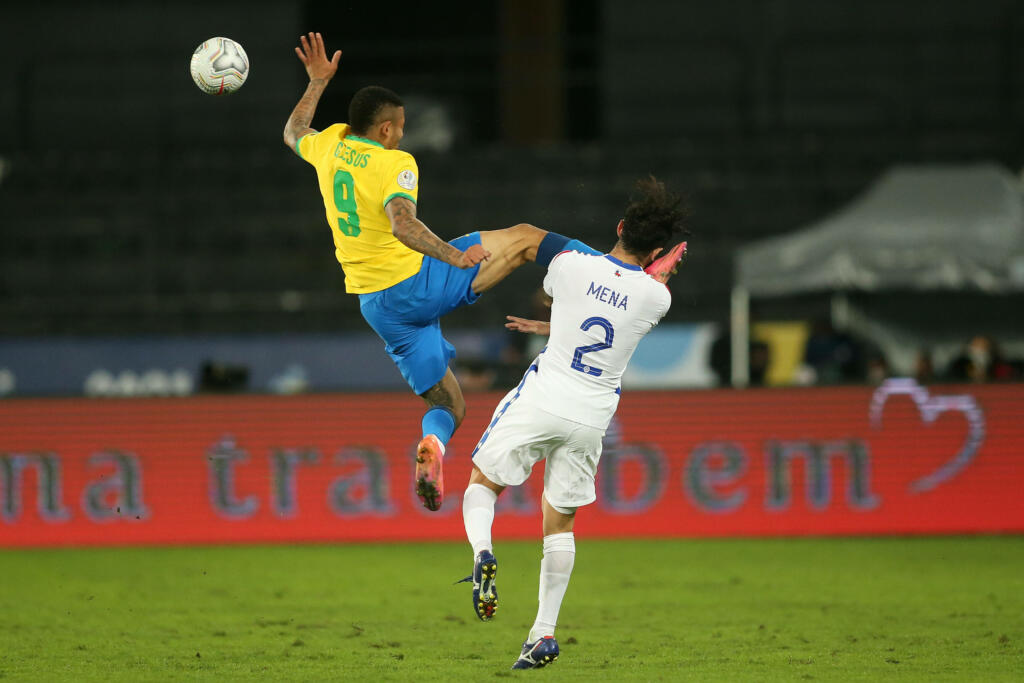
(429, 474)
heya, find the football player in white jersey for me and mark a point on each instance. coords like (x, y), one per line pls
(602, 306)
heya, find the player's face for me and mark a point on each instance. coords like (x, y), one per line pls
(396, 130)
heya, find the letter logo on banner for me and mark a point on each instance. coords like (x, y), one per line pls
(365, 491)
(703, 476)
(283, 465)
(616, 457)
(222, 458)
(930, 407)
(333, 468)
(818, 472)
(117, 495)
(49, 494)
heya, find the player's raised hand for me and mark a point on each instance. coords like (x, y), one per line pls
(313, 56)
(474, 255)
(528, 326)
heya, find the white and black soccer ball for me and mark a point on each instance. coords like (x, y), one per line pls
(219, 66)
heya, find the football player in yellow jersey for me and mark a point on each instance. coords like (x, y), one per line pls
(406, 277)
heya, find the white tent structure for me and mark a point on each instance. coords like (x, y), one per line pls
(917, 228)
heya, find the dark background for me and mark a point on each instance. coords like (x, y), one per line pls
(132, 203)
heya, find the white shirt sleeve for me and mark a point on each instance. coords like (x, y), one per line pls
(664, 302)
(555, 269)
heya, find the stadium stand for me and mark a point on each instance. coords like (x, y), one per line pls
(132, 204)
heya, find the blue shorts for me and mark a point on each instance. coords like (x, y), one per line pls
(406, 316)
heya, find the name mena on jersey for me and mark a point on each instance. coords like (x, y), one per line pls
(609, 296)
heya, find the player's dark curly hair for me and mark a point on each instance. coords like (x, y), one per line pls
(366, 106)
(653, 217)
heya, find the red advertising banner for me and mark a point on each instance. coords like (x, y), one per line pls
(896, 459)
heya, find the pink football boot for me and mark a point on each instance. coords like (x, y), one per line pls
(664, 267)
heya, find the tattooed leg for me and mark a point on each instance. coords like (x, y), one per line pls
(447, 408)
(510, 248)
(447, 394)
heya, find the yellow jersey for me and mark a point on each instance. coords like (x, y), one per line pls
(358, 177)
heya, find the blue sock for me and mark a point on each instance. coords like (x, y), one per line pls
(440, 422)
(554, 244)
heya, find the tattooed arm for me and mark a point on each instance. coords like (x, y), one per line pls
(302, 115)
(411, 232)
(320, 70)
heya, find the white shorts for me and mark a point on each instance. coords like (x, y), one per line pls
(521, 435)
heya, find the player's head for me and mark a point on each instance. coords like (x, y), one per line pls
(653, 217)
(378, 114)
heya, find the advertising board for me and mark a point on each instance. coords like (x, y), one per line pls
(895, 459)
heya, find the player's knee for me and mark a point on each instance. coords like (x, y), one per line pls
(529, 234)
(557, 519)
(528, 238)
(558, 524)
(564, 511)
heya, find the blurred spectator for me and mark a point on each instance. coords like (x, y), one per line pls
(223, 378)
(475, 374)
(877, 368)
(520, 349)
(8, 382)
(721, 359)
(514, 357)
(835, 357)
(924, 371)
(760, 359)
(294, 380)
(981, 361)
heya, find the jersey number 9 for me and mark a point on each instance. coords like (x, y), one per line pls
(345, 202)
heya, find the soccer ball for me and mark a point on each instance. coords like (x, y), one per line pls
(219, 66)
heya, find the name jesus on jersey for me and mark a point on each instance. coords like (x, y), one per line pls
(608, 296)
(351, 156)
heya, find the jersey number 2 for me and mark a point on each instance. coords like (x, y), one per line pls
(345, 202)
(577, 356)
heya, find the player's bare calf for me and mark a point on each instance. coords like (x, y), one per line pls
(509, 249)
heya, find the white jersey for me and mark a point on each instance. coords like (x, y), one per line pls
(602, 308)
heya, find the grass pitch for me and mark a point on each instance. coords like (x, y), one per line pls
(823, 609)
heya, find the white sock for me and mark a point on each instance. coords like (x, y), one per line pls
(555, 570)
(478, 515)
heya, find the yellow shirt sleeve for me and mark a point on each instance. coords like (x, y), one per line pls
(401, 179)
(314, 146)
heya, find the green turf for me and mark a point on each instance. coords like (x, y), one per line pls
(824, 609)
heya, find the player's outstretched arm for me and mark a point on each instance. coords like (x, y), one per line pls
(320, 70)
(528, 326)
(412, 232)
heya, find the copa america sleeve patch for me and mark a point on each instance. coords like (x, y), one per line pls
(407, 180)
